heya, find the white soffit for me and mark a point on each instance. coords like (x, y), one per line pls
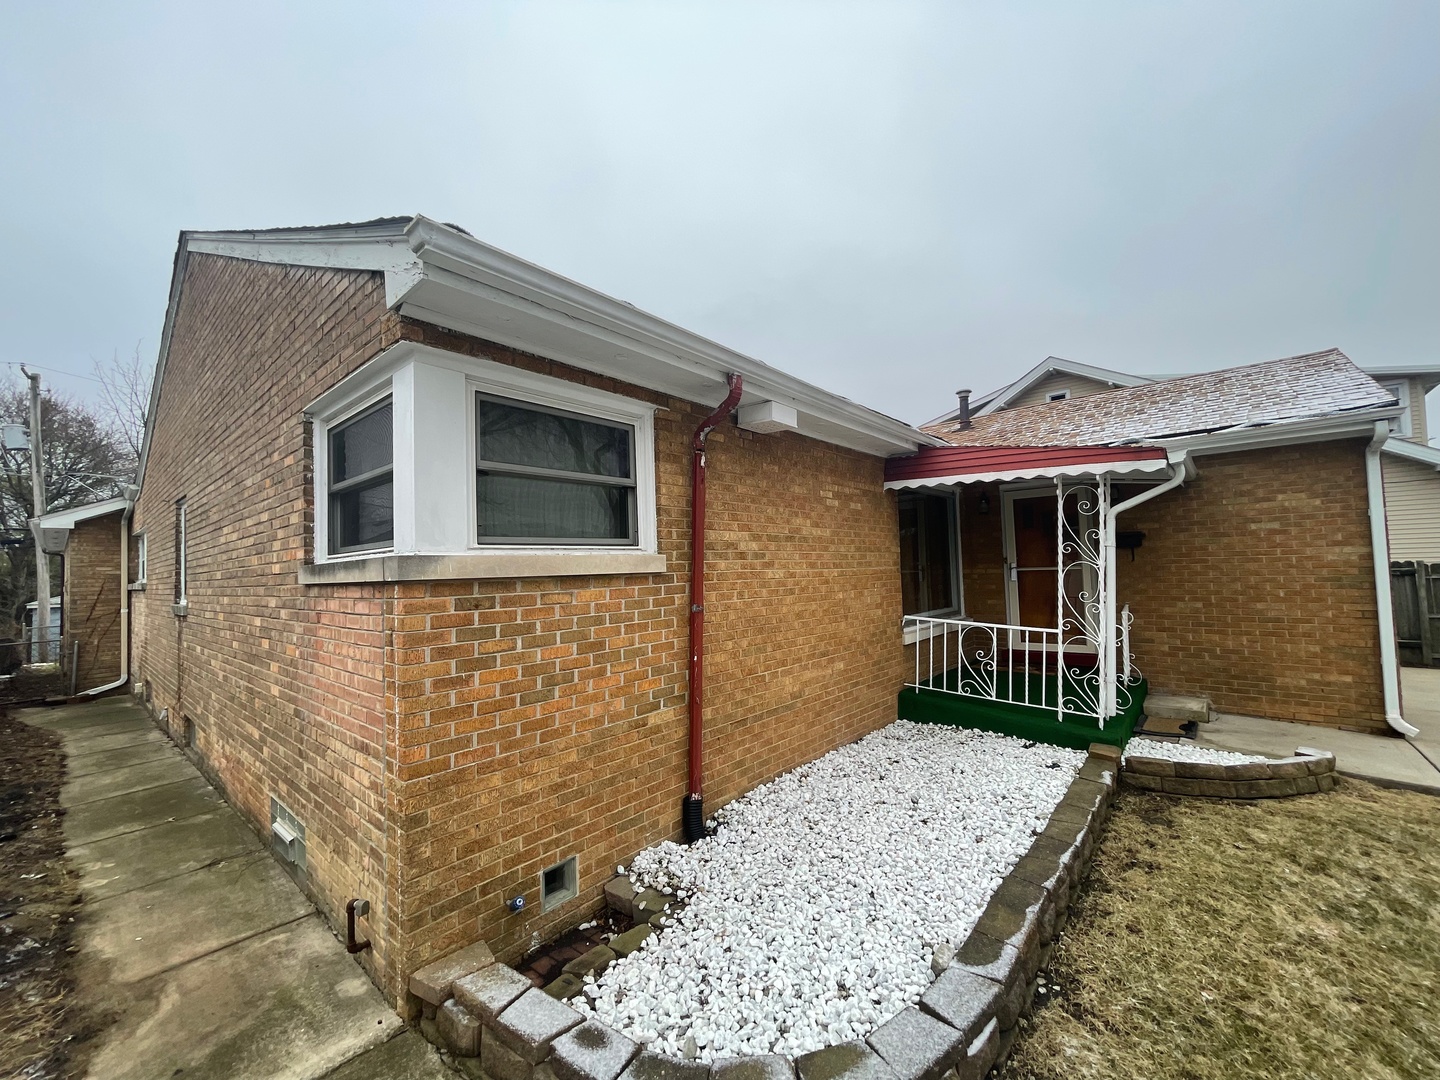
(438, 274)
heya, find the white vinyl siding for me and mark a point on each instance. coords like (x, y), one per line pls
(1412, 508)
(1078, 385)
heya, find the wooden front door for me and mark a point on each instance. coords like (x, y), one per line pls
(1036, 559)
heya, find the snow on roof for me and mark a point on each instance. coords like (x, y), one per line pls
(1309, 386)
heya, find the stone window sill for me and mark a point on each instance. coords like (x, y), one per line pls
(476, 565)
(911, 634)
(136, 586)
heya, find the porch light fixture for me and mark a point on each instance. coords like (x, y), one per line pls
(984, 504)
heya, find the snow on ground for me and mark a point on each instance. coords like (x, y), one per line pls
(811, 915)
(1186, 751)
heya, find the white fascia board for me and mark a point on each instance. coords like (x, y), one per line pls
(1281, 433)
(68, 519)
(390, 256)
(1048, 472)
(1413, 451)
(998, 399)
(611, 337)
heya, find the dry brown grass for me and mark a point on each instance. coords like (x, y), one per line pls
(1295, 938)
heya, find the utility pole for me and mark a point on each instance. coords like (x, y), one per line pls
(41, 637)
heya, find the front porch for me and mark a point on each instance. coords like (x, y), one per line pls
(1008, 559)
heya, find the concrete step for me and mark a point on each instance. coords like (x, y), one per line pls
(1179, 707)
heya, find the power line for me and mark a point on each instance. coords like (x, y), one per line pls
(53, 371)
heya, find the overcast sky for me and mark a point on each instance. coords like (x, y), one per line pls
(892, 201)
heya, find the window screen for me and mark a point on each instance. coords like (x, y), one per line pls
(362, 487)
(550, 476)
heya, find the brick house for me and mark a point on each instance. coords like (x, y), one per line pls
(411, 567)
(1252, 574)
(416, 522)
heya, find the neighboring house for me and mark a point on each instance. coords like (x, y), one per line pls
(417, 524)
(91, 616)
(1411, 466)
(1253, 576)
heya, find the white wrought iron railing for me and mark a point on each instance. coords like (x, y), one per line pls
(1019, 665)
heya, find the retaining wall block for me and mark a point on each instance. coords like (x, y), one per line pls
(564, 986)
(591, 1051)
(1307, 785)
(1144, 781)
(964, 999)
(916, 1045)
(852, 1060)
(1182, 786)
(488, 992)
(1289, 768)
(1104, 751)
(1271, 789)
(652, 1066)
(434, 982)
(631, 940)
(592, 962)
(1199, 770)
(499, 1061)
(1249, 770)
(1149, 766)
(620, 896)
(1318, 766)
(980, 1054)
(532, 1024)
(1326, 781)
(1099, 772)
(459, 1030)
(649, 901)
(758, 1067)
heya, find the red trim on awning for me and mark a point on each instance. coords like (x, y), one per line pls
(959, 460)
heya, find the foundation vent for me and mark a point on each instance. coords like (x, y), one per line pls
(560, 883)
(287, 834)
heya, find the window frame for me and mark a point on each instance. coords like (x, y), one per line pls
(631, 483)
(368, 479)
(434, 472)
(142, 559)
(956, 606)
(182, 556)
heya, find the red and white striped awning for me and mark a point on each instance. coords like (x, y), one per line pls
(936, 466)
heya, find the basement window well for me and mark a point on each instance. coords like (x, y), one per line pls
(560, 883)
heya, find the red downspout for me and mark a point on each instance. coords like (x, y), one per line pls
(693, 811)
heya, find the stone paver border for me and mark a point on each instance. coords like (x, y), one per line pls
(1308, 772)
(966, 1021)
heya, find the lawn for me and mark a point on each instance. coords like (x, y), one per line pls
(1293, 938)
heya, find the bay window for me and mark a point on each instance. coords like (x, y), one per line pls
(362, 488)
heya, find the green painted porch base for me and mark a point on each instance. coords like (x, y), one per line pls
(1022, 721)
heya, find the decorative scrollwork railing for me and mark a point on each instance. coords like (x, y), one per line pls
(991, 661)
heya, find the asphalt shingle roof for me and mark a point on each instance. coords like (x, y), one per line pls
(1297, 387)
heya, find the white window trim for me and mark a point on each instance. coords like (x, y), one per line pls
(430, 540)
(181, 606)
(142, 562)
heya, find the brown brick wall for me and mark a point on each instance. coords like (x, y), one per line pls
(443, 742)
(284, 685)
(1255, 585)
(91, 613)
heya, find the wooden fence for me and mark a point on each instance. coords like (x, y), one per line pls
(1415, 594)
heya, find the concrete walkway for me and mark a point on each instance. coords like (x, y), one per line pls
(1412, 763)
(214, 963)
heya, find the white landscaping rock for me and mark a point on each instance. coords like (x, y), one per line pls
(1187, 751)
(810, 917)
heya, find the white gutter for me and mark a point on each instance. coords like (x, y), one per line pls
(1380, 552)
(1107, 625)
(124, 604)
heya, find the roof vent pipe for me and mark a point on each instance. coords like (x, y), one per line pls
(962, 419)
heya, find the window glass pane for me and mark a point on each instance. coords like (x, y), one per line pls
(510, 434)
(361, 446)
(927, 565)
(363, 516)
(527, 507)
